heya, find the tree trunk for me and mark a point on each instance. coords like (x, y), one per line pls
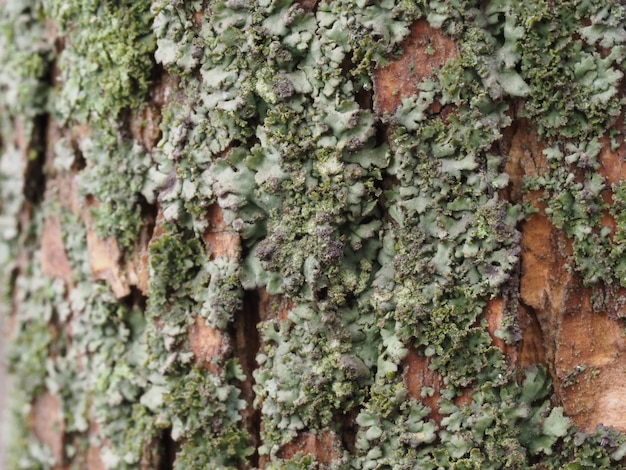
(311, 234)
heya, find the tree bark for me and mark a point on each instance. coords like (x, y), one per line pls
(305, 234)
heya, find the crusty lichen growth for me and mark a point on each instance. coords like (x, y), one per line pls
(105, 67)
(107, 57)
(25, 56)
(290, 154)
(387, 233)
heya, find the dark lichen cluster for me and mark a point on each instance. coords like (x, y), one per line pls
(388, 234)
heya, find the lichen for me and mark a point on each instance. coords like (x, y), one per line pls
(116, 176)
(202, 408)
(386, 233)
(105, 68)
(280, 141)
(106, 60)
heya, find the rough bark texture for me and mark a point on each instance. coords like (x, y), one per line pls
(314, 234)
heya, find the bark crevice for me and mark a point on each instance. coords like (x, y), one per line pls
(247, 344)
(168, 450)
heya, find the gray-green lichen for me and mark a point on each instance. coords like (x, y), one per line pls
(104, 74)
(25, 56)
(106, 60)
(201, 408)
(387, 233)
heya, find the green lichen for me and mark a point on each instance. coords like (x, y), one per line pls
(279, 140)
(204, 412)
(583, 107)
(335, 350)
(105, 69)
(223, 296)
(107, 57)
(186, 399)
(116, 176)
(100, 376)
(387, 233)
(28, 361)
(25, 55)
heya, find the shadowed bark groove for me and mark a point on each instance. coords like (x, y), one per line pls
(167, 447)
(247, 344)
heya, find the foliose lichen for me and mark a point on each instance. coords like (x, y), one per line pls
(105, 68)
(387, 233)
(106, 60)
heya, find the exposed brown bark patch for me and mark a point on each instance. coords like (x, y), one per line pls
(208, 345)
(424, 50)
(590, 367)
(54, 262)
(531, 350)
(526, 158)
(65, 189)
(465, 398)
(145, 127)
(137, 266)
(417, 376)
(104, 262)
(220, 239)
(308, 5)
(581, 345)
(165, 87)
(21, 139)
(48, 426)
(107, 262)
(94, 459)
(274, 306)
(325, 446)
(495, 312)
